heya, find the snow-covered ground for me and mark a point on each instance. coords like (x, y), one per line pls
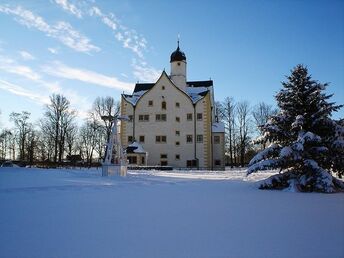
(78, 213)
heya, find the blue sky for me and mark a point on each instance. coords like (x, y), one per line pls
(86, 48)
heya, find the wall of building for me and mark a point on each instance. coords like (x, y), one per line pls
(178, 74)
(219, 151)
(207, 122)
(165, 91)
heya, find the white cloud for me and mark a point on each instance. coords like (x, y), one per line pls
(127, 37)
(58, 69)
(40, 89)
(62, 31)
(53, 50)
(95, 11)
(81, 104)
(26, 55)
(72, 38)
(20, 91)
(145, 73)
(10, 66)
(69, 7)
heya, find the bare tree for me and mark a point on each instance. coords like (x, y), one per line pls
(261, 114)
(46, 140)
(243, 111)
(88, 139)
(227, 115)
(23, 127)
(71, 139)
(105, 106)
(100, 142)
(6, 137)
(31, 146)
(58, 118)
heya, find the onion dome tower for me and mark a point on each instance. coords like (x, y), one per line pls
(178, 68)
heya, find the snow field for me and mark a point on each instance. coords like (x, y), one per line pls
(78, 213)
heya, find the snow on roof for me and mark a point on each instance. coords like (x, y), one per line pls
(135, 147)
(196, 93)
(135, 97)
(218, 127)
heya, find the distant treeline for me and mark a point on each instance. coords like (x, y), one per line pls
(57, 139)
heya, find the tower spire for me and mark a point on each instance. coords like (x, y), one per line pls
(178, 38)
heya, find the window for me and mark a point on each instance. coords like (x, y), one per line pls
(191, 163)
(177, 133)
(177, 119)
(130, 139)
(177, 157)
(163, 87)
(160, 139)
(130, 118)
(177, 143)
(199, 138)
(143, 118)
(132, 160)
(163, 105)
(189, 116)
(177, 104)
(189, 138)
(163, 156)
(199, 116)
(143, 160)
(160, 117)
(178, 63)
(216, 139)
(142, 138)
(150, 103)
(217, 162)
(163, 139)
(163, 163)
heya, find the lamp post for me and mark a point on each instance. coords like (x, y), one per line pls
(119, 164)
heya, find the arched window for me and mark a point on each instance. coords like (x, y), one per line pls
(163, 105)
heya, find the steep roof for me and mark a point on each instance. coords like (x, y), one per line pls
(178, 55)
(196, 90)
(135, 147)
(218, 127)
(143, 86)
(148, 86)
(208, 83)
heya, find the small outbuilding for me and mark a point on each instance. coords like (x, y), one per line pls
(136, 154)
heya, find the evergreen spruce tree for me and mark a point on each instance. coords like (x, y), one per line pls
(306, 145)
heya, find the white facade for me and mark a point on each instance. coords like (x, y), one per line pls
(173, 121)
(178, 74)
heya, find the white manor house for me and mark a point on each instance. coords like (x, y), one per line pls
(172, 122)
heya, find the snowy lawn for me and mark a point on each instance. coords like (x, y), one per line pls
(77, 213)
